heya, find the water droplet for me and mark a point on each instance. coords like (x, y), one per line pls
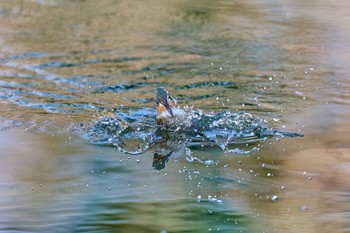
(209, 162)
(137, 161)
(274, 197)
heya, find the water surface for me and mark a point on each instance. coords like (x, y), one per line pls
(64, 64)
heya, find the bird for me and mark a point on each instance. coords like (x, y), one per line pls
(169, 112)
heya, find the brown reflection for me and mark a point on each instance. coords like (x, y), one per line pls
(81, 48)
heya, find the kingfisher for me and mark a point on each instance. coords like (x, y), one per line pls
(169, 112)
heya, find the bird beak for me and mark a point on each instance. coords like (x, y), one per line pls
(168, 107)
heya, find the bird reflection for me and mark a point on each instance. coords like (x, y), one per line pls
(168, 145)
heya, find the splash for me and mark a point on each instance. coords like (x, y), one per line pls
(135, 132)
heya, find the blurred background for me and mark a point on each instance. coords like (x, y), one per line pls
(64, 63)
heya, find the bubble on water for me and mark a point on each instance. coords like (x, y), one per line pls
(274, 198)
(209, 162)
(137, 161)
(276, 118)
(214, 199)
(237, 151)
(196, 172)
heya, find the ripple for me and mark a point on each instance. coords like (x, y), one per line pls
(224, 84)
(121, 87)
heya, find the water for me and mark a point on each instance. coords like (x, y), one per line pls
(66, 64)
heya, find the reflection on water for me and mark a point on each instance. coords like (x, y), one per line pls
(64, 64)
